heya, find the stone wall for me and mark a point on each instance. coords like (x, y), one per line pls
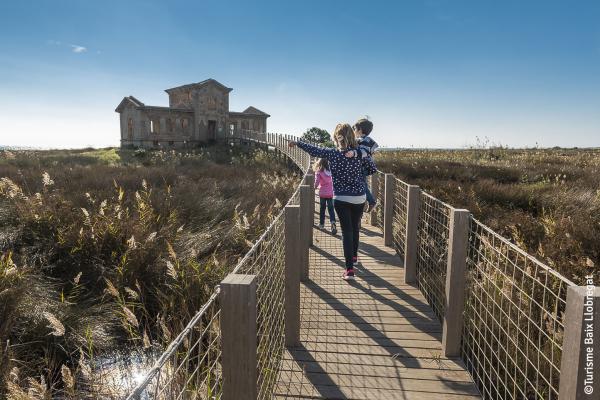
(181, 98)
(158, 127)
(241, 121)
(211, 107)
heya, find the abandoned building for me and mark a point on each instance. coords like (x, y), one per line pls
(197, 113)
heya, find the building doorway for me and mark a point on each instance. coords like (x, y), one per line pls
(212, 130)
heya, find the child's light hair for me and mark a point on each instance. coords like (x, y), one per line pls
(344, 136)
(321, 164)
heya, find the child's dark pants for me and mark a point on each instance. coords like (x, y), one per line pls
(329, 203)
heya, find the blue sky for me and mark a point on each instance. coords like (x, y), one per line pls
(429, 73)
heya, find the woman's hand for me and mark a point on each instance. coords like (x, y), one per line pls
(291, 143)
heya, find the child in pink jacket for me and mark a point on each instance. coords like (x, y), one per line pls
(324, 182)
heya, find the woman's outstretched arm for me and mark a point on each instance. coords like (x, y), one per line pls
(314, 151)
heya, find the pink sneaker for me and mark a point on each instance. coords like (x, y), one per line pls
(349, 275)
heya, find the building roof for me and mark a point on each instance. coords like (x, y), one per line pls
(162, 108)
(129, 100)
(205, 82)
(255, 111)
(141, 106)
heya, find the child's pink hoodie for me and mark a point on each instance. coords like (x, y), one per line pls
(324, 179)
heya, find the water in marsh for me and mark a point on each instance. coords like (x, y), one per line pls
(114, 376)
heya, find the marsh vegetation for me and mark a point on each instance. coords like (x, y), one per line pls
(547, 201)
(109, 251)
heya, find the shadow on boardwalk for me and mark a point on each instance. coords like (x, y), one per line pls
(375, 338)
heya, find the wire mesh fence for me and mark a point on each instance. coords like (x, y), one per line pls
(400, 215)
(432, 251)
(379, 189)
(513, 330)
(267, 262)
(190, 367)
(514, 309)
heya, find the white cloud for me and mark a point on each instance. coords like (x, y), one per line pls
(78, 49)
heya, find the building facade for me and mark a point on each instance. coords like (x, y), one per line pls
(197, 113)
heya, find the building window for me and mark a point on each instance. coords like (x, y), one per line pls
(184, 124)
(130, 128)
(155, 126)
(211, 103)
(169, 125)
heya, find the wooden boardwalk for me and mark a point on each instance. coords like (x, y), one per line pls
(375, 338)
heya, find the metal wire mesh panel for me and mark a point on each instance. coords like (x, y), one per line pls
(400, 215)
(513, 331)
(380, 199)
(266, 260)
(432, 251)
(190, 368)
(268, 264)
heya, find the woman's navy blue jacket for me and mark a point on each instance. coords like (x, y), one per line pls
(348, 173)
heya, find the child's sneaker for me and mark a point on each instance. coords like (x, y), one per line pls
(321, 226)
(333, 229)
(349, 275)
(355, 261)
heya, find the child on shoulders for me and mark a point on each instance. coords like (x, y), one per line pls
(366, 147)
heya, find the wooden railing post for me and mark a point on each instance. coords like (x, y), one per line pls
(310, 181)
(239, 337)
(305, 227)
(292, 275)
(375, 192)
(388, 212)
(413, 201)
(456, 270)
(580, 363)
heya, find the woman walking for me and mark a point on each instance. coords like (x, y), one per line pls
(348, 187)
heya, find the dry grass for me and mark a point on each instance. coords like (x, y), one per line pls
(545, 200)
(104, 250)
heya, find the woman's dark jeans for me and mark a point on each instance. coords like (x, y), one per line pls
(349, 215)
(329, 203)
